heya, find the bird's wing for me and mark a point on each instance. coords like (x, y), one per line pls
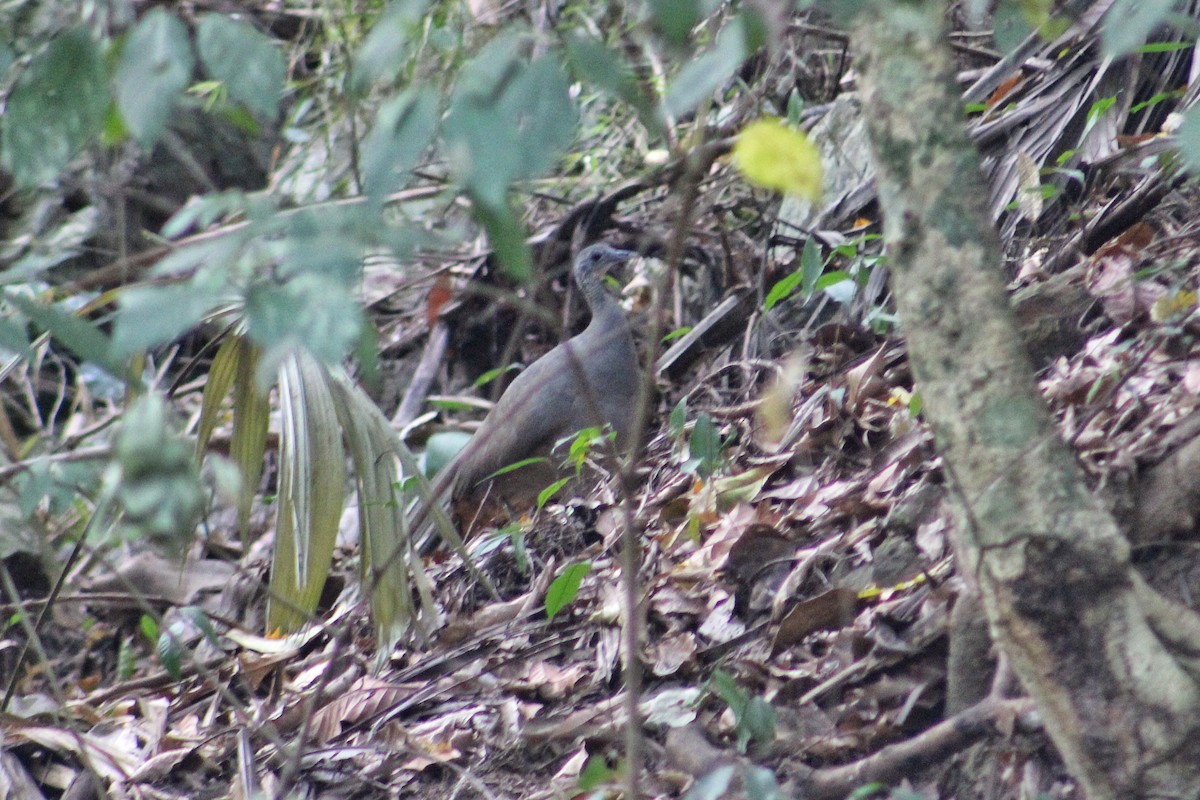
(532, 414)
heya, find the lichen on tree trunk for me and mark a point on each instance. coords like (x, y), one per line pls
(1090, 644)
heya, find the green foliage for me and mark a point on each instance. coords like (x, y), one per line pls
(312, 477)
(546, 494)
(705, 448)
(713, 785)
(248, 63)
(755, 719)
(155, 66)
(806, 278)
(1129, 22)
(56, 107)
(1188, 137)
(705, 74)
(404, 128)
(595, 773)
(157, 477)
(565, 587)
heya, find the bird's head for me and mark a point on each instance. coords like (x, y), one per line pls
(593, 261)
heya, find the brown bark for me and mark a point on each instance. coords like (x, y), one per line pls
(1088, 640)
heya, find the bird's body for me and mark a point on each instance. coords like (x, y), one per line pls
(590, 380)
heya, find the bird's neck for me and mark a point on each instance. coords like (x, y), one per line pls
(604, 307)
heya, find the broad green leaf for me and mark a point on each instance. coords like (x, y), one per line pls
(713, 785)
(538, 105)
(311, 311)
(605, 69)
(811, 265)
(442, 447)
(508, 120)
(404, 128)
(216, 388)
(704, 75)
(782, 290)
(170, 654)
(546, 494)
(312, 478)
(516, 465)
(249, 63)
(251, 420)
(508, 240)
(565, 587)
(675, 19)
(78, 335)
(704, 448)
(155, 66)
(381, 56)
(7, 57)
(772, 155)
(56, 107)
(1188, 137)
(154, 315)
(1129, 23)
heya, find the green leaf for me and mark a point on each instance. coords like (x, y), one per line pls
(594, 773)
(760, 784)
(677, 333)
(441, 448)
(155, 66)
(149, 627)
(756, 723)
(782, 290)
(170, 655)
(565, 587)
(675, 19)
(811, 265)
(713, 785)
(381, 56)
(507, 121)
(1129, 23)
(153, 315)
(56, 107)
(545, 494)
(311, 311)
(704, 75)
(78, 335)
(312, 480)
(404, 128)
(1010, 26)
(704, 448)
(678, 420)
(508, 240)
(516, 465)
(600, 66)
(491, 375)
(1188, 137)
(247, 62)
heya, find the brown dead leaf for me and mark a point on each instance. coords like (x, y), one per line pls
(439, 295)
(671, 652)
(1004, 90)
(366, 697)
(829, 611)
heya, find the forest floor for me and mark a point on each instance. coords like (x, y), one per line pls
(797, 574)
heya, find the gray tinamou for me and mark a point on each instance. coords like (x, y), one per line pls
(590, 380)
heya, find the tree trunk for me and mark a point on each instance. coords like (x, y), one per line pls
(1111, 665)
